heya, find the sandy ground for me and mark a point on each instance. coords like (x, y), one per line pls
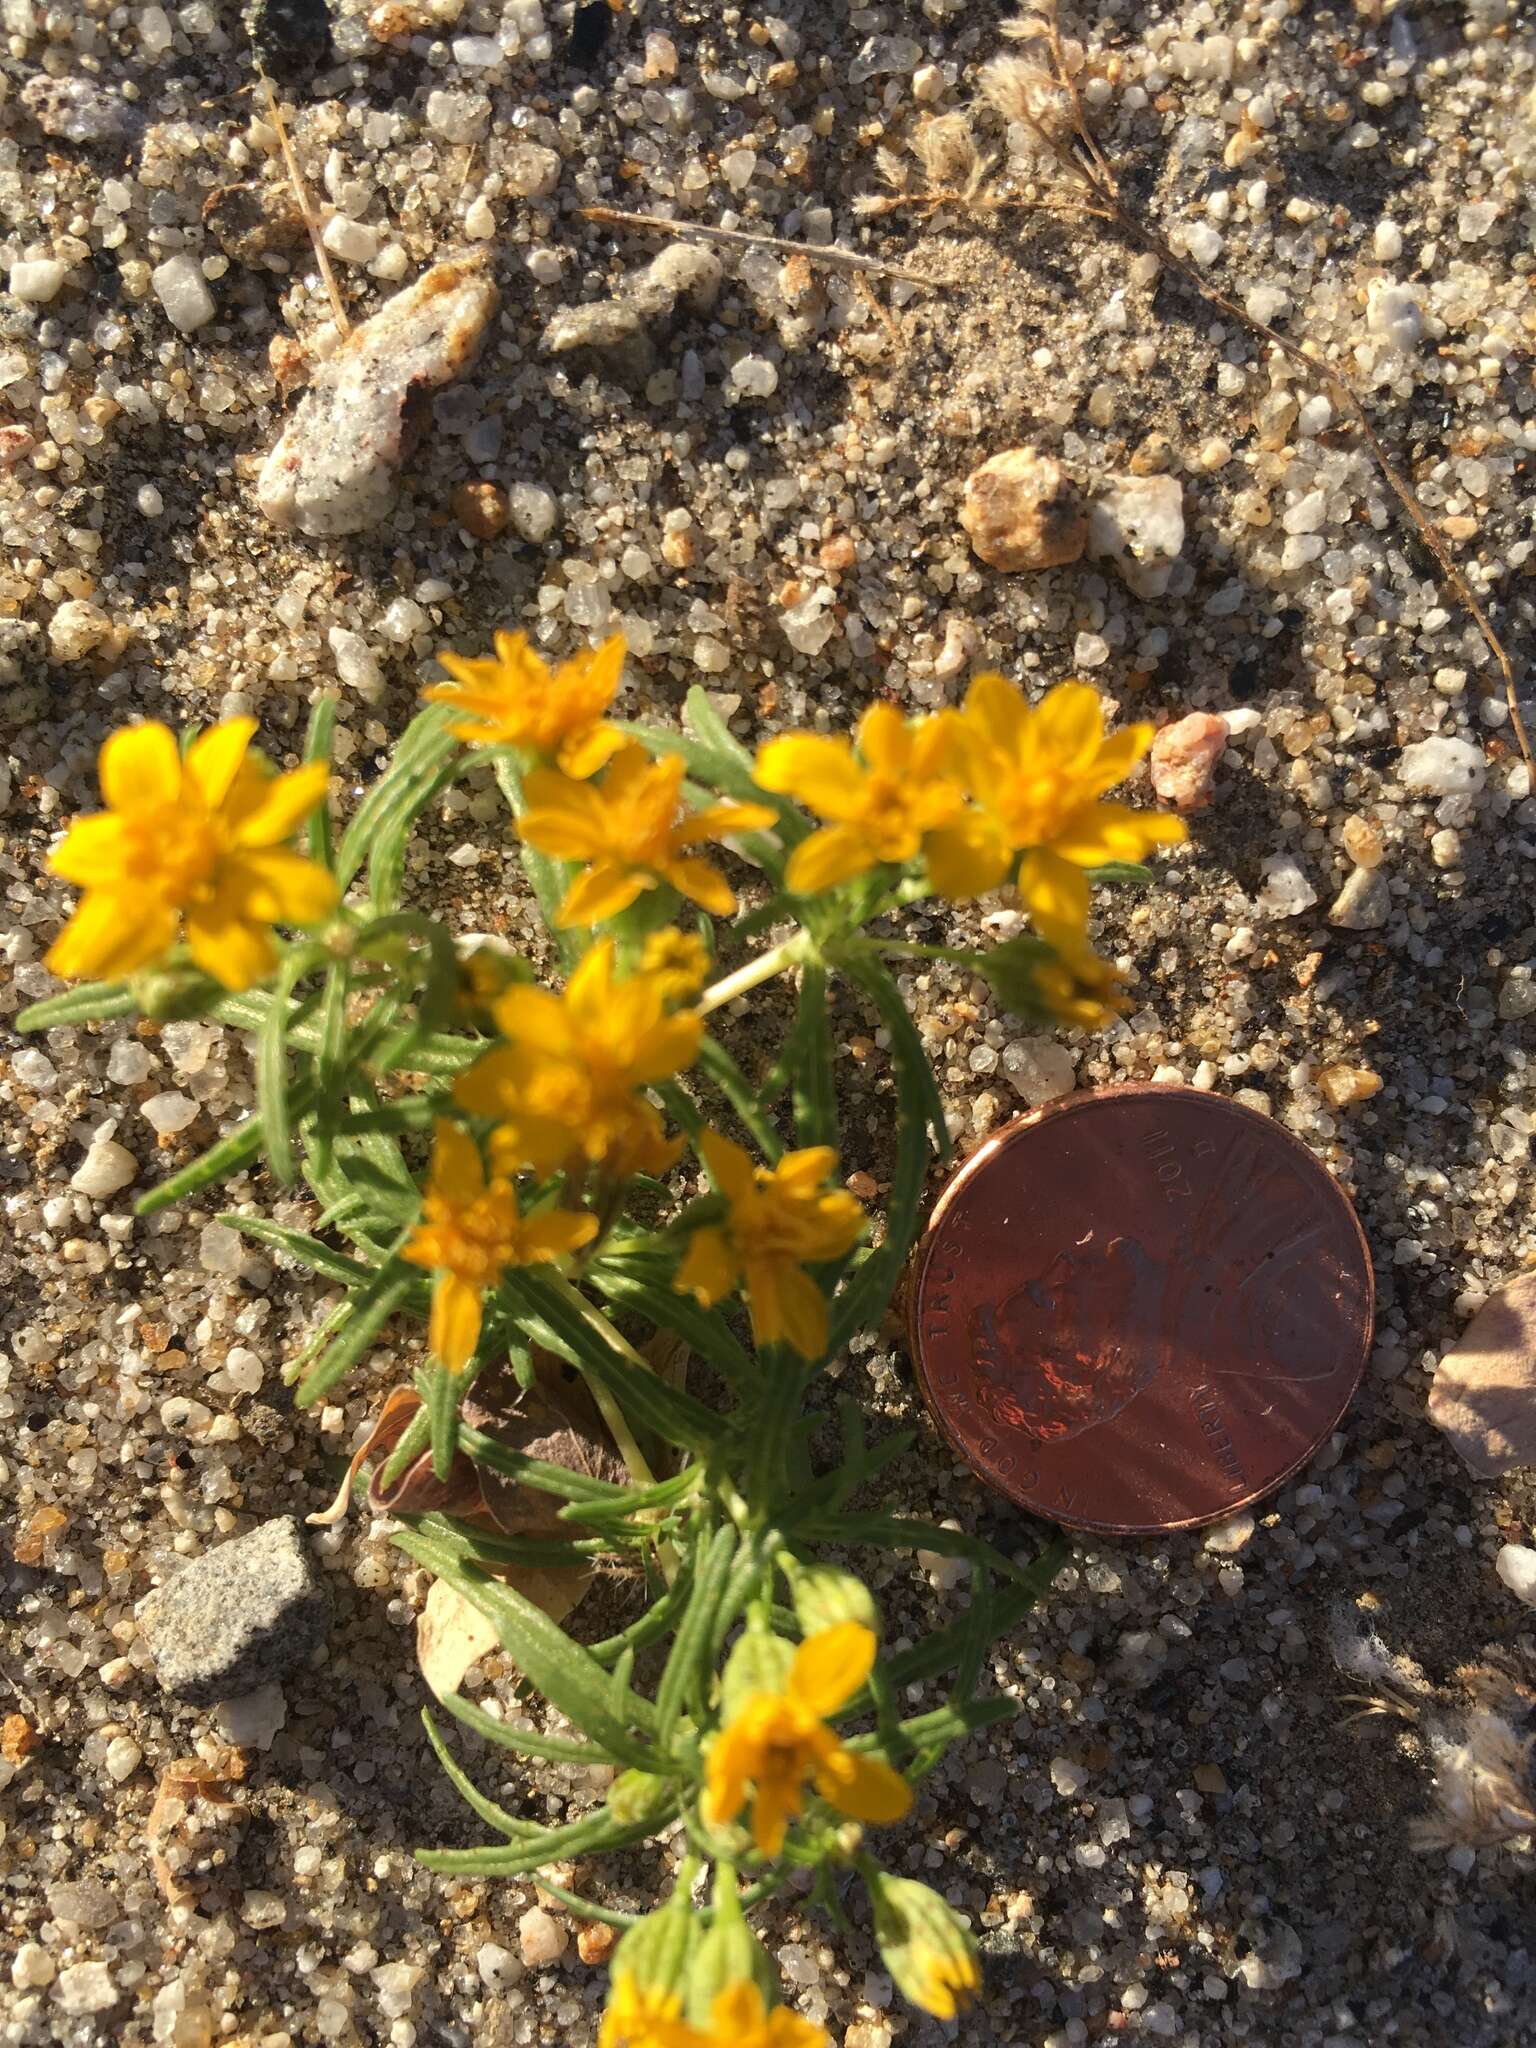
(1180, 1838)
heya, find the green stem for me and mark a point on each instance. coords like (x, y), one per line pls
(775, 961)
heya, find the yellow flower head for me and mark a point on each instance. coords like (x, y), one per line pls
(740, 2017)
(515, 699)
(564, 1085)
(192, 847)
(881, 808)
(926, 1945)
(678, 960)
(645, 2016)
(778, 1740)
(1077, 986)
(779, 1220)
(1036, 777)
(633, 831)
(471, 1231)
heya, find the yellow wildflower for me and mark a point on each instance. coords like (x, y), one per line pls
(564, 1085)
(678, 960)
(740, 2017)
(645, 2016)
(635, 832)
(881, 808)
(471, 1231)
(192, 847)
(779, 1219)
(1036, 777)
(926, 1945)
(776, 1740)
(1077, 986)
(515, 699)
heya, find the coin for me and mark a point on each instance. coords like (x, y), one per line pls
(1140, 1309)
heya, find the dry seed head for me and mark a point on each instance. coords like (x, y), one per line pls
(1482, 1785)
(1021, 90)
(945, 146)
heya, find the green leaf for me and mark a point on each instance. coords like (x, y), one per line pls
(272, 1091)
(440, 1391)
(1126, 874)
(595, 1837)
(556, 1749)
(547, 877)
(317, 747)
(307, 1250)
(905, 1532)
(716, 1062)
(370, 1310)
(92, 1003)
(942, 1650)
(494, 1816)
(642, 1284)
(685, 1680)
(810, 1055)
(569, 1677)
(535, 1472)
(420, 751)
(237, 1148)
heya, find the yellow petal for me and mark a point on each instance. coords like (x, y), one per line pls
(730, 1166)
(601, 892)
(806, 1169)
(111, 934)
(454, 1330)
(457, 1174)
(553, 1234)
(1118, 756)
(885, 739)
(967, 858)
(568, 820)
(1054, 891)
(1070, 723)
(863, 1787)
(535, 1018)
(229, 947)
(671, 1044)
(935, 748)
(1101, 832)
(997, 711)
(830, 1666)
(800, 1308)
(777, 1803)
(589, 991)
(91, 853)
(270, 812)
(214, 759)
(727, 1770)
(702, 884)
(834, 854)
(139, 766)
(815, 769)
(708, 1268)
(282, 888)
(584, 753)
(724, 821)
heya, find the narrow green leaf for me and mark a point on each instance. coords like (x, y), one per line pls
(317, 747)
(908, 1532)
(420, 751)
(237, 1148)
(686, 1676)
(272, 1090)
(440, 1391)
(598, 1836)
(718, 1065)
(92, 1003)
(535, 1472)
(942, 1650)
(307, 1250)
(494, 1816)
(1126, 874)
(557, 1749)
(643, 1285)
(371, 1309)
(810, 1047)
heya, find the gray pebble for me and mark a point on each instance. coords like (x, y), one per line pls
(244, 1613)
(1364, 902)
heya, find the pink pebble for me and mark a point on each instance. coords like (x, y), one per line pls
(1184, 757)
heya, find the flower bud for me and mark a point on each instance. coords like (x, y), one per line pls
(927, 1947)
(636, 1795)
(730, 1953)
(656, 1953)
(824, 1595)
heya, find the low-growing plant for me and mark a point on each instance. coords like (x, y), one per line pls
(563, 1183)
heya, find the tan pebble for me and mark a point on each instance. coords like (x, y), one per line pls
(1022, 511)
(790, 594)
(1343, 1085)
(18, 1738)
(838, 552)
(1362, 842)
(1184, 757)
(1153, 457)
(542, 1938)
(288, 361)
(1459, 527)
(1209, 1778)
(390, 20)
(677, 550)
(596, 1942)
(481, 509)
(863, 1185)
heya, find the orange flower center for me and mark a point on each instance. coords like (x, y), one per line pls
(473, 1239)
(174, 849)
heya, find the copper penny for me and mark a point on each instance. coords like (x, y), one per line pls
(1140, 1309)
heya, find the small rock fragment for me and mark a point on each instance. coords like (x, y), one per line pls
(1022, 511)
(252, 1720)
(1516, 1566)
(541, 1937)
(37, 282)
(531, 170)
(289, 37)
(1364, 902)
(1184, 757)
(76, 628)
(1444, 767)
(1138, 522)
(595, 1942)
(106, 1168)
(1341, 1085)
(85, 1988)
(1231, 1536)
(1517, 997)
(1040, 1068)
(1483, 1394)
(534, 510)
(1362, 842)
(604, 323)
(183, 291)
(682, 271)
(240, 1616)
(1393, 313)
(78, 110)
(481, 509)
(333, 469)
(1286, 891)
(354, 241)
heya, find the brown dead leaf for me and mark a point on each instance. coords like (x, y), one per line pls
(1483, 1394)
(452, 1634)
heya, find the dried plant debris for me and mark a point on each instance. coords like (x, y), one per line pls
(333, 471)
